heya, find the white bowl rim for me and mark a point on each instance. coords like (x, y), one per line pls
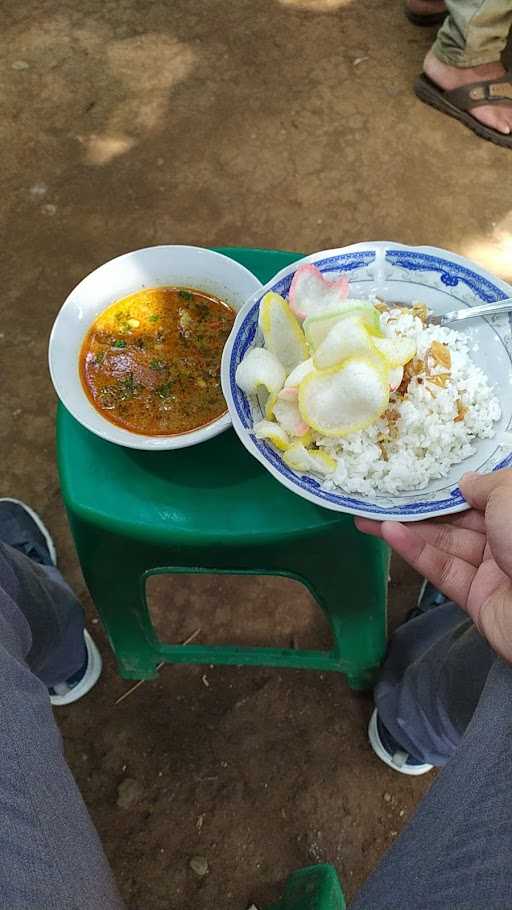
(247, 439)
(103, 428)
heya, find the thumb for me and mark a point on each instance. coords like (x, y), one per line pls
(477, 488)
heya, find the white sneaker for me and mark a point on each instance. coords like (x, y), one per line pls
(25, 530)
(70, 691)
(398, 759)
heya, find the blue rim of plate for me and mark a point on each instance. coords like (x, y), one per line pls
(450, 273)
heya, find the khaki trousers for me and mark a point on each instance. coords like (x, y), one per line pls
(475, 32)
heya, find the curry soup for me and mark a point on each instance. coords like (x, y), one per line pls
(151, 361)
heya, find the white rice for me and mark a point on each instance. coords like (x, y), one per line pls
(429, 440)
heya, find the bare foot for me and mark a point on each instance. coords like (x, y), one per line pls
(426, 7)
(449, 77)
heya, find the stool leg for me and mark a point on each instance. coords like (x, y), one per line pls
(113, 568)
(348, 574)
(313, 888)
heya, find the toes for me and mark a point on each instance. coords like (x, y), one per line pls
(499, 119)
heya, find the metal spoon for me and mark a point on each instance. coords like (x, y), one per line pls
(486, 309)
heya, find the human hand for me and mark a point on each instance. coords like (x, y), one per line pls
(468, 556)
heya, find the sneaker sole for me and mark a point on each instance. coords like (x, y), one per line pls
(383, 754)
(40, 524)
(90, 678)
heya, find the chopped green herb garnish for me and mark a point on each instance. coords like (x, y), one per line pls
(157, 364)
(163, 391)
(99, 357)
(185, 295)
(119, 343)
(155, 317)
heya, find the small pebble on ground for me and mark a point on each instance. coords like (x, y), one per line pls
(129, 792)
(199, 865)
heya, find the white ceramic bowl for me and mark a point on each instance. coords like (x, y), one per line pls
(444, 282)
(157, 266)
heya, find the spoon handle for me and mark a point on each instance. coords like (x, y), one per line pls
(486, 309)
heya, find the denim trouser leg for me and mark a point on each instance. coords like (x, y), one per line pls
(455, 854)
(51, 856)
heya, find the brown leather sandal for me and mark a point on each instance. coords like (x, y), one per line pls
(458, 101)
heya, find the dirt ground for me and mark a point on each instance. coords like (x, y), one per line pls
(272, 123)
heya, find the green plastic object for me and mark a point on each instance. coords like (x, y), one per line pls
(214, 508)
(312, 888)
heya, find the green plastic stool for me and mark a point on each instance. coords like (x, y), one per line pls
(312, 888)
(214, 508)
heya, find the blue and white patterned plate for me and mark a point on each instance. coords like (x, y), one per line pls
(444, 282)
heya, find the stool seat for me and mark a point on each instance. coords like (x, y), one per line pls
(214, 508)
(211, 492)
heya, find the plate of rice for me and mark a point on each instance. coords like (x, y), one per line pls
(338, 385)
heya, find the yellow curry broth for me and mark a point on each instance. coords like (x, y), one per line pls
(151, 361)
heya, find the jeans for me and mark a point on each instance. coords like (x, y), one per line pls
(447, 698)
(475, 32)
(51, 856)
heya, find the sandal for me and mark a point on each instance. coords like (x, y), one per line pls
(456, 103)
(425, 20)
